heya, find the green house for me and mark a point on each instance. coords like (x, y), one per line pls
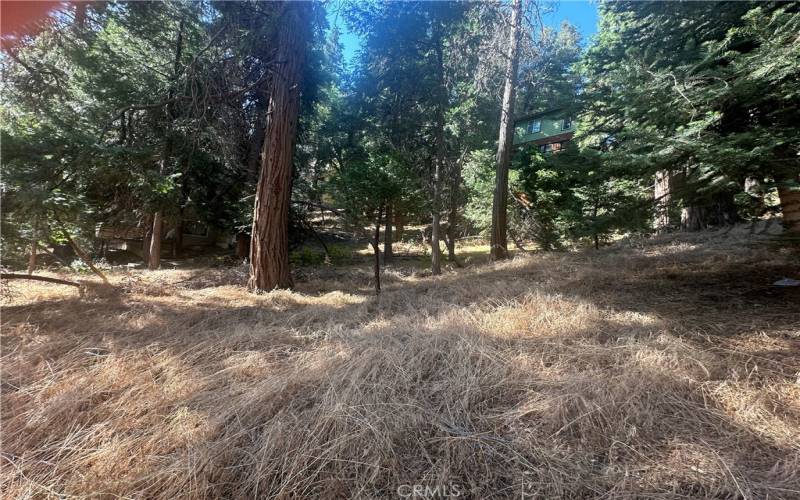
(550, 130)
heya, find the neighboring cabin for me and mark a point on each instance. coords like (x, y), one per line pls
(195, 235)
(550, 130)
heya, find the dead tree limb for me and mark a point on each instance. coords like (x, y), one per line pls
(84, 257)
(47, 279)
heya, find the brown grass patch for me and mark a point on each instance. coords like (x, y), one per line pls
(669, 370)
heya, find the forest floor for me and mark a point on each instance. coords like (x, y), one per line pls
(665, 369)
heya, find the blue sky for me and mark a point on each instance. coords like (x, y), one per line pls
(581, 13)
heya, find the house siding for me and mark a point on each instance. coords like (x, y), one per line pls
(551, 131)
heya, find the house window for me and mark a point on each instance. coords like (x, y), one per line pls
(567, 123)
(552, 147)
(534, 127)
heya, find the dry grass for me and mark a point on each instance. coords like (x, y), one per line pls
(665, 371)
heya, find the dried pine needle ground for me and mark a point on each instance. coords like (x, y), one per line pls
(665, 371)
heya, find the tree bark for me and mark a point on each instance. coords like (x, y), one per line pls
(375, 242)
(34, 247)
(400, 225)
(499, 239)
(452, 216)
(451, 235)
(790, 207)
(438, 168)
(242, 246)
(177, 241)
(595, 236)
(388, 254)
(269, 249)
(154, 261)
(692, 218)
(147, 237)
(662, 194)
(155, 241)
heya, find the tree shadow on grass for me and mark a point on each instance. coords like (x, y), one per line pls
(585, 410)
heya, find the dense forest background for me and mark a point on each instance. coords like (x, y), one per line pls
(153, 115)
(643, 341)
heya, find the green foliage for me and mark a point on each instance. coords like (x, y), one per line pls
(714, 102)
(479, 178)
(314, 256)
(161, 106)
(363, 189)
(140, 107)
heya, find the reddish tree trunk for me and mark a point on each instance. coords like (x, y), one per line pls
(242, 246)
(269, 249)
(499, 239)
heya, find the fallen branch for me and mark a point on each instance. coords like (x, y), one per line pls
(82, 255)
(13, 276)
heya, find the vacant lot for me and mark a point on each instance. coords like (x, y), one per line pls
(668, 370)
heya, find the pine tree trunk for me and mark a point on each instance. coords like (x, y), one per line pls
(269, 248)
(147, 238)
(662, 194)
(790, 207)
(154, 261)
(34, 247)
(436, 252)
(499, 239)
(693, 218)
(155, 241)
(399, 225)
(388, 254)
(452, 215)
(595, 236)
(242, 246)
(32, 256)
(376, 249)
(451, 240)
(177, 241)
